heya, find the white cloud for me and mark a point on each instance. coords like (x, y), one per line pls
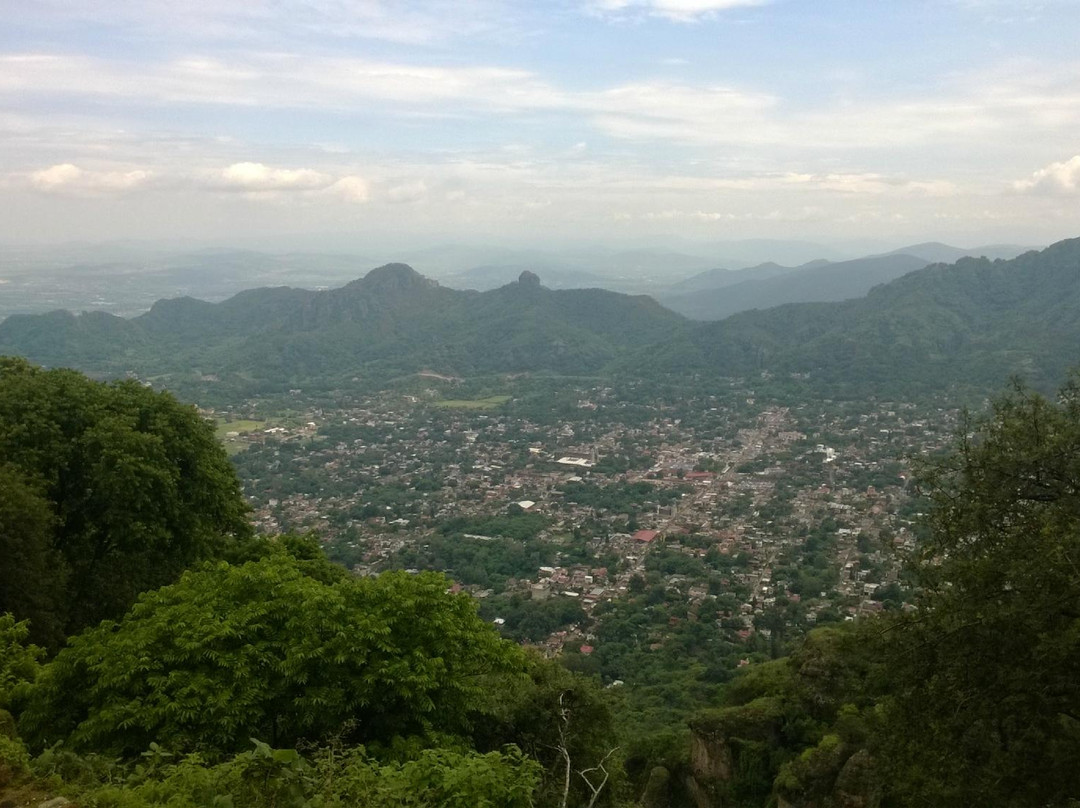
(785, 184)
(67, 178)
(803, 214)
(351, 189)
(56, 176)
(407, 192)
(874, 184)
(664, 110)
(678, 10)
(986, 106)
(271, 183)
(704, 153)
(278, 81)
(254, 180)
(1009, 12)
(1056, 178)
(258, 177)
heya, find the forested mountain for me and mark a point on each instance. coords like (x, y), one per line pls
(391, 320)
(721, 278)
(770, 285)
(975, 321)
(934, 252)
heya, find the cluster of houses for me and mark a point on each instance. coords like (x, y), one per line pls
(736, 488)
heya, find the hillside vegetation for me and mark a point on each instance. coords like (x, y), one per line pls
(391, 321)
(105, 491)
(975, 322)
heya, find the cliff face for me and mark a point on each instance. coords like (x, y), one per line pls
(711, 767)
(735, 751)
(725, 743)
(710, 758)
(856, 785)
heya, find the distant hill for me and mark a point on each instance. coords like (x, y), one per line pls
(831, 285)
(492, 276)
(722, 278)
(393, 320)
(748, 252)
(771, 285)
(934, 252)
(976, 321)
(449, 263)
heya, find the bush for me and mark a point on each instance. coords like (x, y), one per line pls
(264, 649)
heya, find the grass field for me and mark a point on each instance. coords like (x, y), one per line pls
(489, 403)
(225, 427)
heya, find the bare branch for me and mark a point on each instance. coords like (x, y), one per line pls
(596, 789)
(564, 723)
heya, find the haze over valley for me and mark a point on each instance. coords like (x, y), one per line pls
(127, 278)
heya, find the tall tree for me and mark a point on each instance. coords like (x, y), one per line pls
(109, 490)
(32, 575)
(987, 702)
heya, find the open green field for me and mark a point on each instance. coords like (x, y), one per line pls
(225, 427)
(489, 403)
(235, 445)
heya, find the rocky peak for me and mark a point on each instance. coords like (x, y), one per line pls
(395, 278)
(528, 278)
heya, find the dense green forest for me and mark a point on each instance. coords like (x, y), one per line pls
(205, 667)
(106, 491)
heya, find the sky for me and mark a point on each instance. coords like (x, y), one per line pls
(535, 122)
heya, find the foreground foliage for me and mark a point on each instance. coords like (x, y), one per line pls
(264, 777)
(106, 490)
(988, 675)
(265, 650)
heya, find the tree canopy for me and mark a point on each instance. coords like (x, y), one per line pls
(265, 650)
(106, 491)
(987, 675)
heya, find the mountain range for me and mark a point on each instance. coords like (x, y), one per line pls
(392, 320)
(976, 321)
(770, 285)
(718, 293)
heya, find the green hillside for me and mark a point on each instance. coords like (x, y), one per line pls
(391, 321)
(818, 282)
(976, 321)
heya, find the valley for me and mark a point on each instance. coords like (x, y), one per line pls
(722, 525)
